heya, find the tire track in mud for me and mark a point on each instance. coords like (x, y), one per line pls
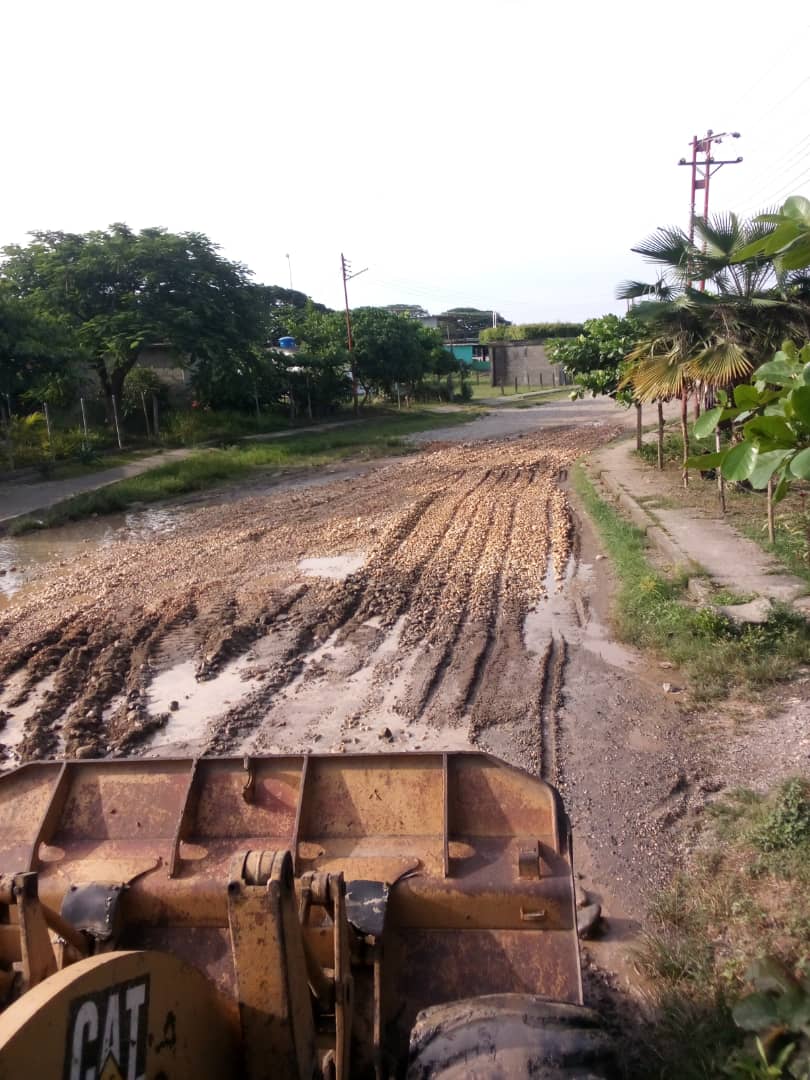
(548, 723)
(459, 541)
(477, 564)
(372, 592)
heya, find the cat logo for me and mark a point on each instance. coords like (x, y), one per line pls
(106, 1036)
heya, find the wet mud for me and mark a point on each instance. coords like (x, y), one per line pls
(408, 606)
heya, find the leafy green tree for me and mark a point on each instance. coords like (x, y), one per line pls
(719, 334)
(388, 348)
(772, 416)
(595, 359)
(38, 354)
(284, 311)
(121, 291)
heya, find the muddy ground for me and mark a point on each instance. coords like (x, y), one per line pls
(415, 605)
(449, 599)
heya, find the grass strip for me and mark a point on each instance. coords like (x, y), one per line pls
(651, 611)
(742, 900)
(205, 468)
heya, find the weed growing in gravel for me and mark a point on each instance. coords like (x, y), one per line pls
(651, 610)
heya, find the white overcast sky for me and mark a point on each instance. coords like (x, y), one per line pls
(502, 154)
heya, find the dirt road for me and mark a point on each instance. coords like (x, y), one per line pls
(410, 607)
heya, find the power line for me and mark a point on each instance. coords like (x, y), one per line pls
(774, 195)
(792, 183)
(781, 101)
(779, 165)
(798, 43)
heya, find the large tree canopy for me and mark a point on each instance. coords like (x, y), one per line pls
(122, 291)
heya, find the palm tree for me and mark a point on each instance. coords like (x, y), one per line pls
(705, 340)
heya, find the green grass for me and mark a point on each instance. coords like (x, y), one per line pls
(716, 654)
(743, 899)
(190, 427)
(205, 468)
(791, 539)
(673, 448)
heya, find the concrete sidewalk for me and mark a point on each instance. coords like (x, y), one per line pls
(19, 498)
(691, 542)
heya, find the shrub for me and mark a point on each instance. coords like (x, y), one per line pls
(786, 823)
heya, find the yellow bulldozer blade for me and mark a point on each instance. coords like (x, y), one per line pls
(271, 916)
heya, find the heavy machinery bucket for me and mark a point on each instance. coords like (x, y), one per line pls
(325, 899)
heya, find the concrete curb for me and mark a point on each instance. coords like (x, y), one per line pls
(741, 566)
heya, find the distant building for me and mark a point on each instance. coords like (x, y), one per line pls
(525, 361)
(472, 354)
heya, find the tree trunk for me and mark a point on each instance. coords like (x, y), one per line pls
(661, 435)
(112, 382)
(771, 528)
(721, 484)
(685, 434)
(639, 442)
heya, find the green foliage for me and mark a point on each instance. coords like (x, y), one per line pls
(712, 338)
(595, 359)
(787, 821)
(37, 354)
(787, 242)
(143, 380)
(673, 449)
(772, 419)
(727, 946)
(757, 1066)
(530, 331)
(119, 291)
(778, 1010)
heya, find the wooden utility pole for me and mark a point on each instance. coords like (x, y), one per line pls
(345, 268)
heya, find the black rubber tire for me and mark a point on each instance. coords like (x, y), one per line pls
(508, 1036)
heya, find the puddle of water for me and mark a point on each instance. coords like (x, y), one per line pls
(596, 640)
(24, 557)
(308, 715)
(554, 613)
(335, 567)
(13, 731)
(198, 702)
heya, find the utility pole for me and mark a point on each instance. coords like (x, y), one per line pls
(289, 267)
(702, 172)
(345, 269)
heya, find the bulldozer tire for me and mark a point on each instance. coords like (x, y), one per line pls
(509, 1036)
